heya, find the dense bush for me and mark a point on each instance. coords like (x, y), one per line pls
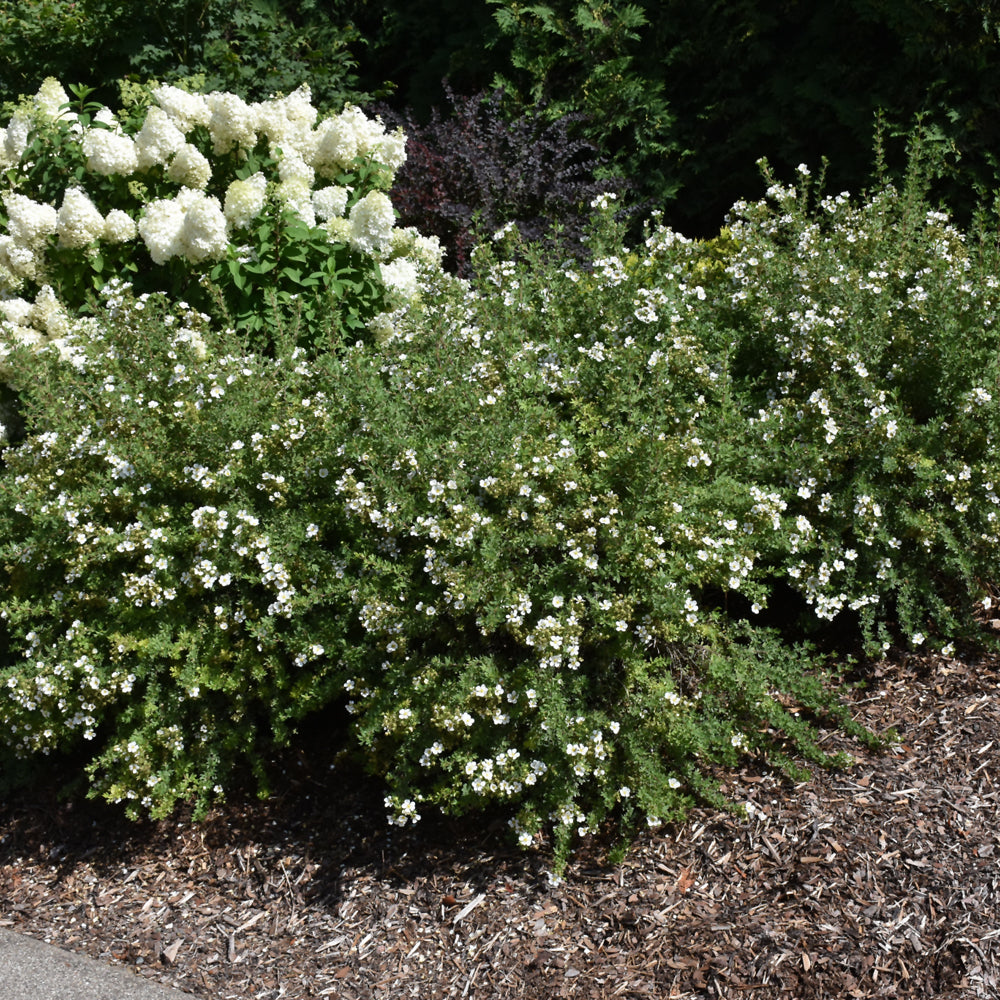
(473, 171)
(233, 207)
(528, 534)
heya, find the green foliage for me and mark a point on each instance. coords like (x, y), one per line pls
(686, 97)
(251, 47)
(590, 57)
(867, 359)
(183, 612)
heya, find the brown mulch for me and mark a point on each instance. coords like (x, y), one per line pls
(881, 880)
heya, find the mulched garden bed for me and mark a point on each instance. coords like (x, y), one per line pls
(881, 880)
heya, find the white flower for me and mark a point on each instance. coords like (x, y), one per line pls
(287, 121)
(79, 223)
(15, 140)
(50, 98)
(407, 242)
(232, 122)
(203, 234)
(160, 229)
(16, 311)
(184, 108)
(372, 219)
(401, 277)
(48, 314)
(330, 202)
(158, 139)
(191, 225)
(189, 167)
(245, 200)
(119, 227)
(109, 153)
(29, 222)
(336, 144)
(368, 132)
(296, 197)
(390, 150)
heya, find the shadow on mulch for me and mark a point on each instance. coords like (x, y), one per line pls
(876, 880)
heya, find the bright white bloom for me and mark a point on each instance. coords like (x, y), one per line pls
(232, 122)
(390, 150)
(191, 225)
(338, 230)
(295, 189)
(15, 139)
(336, 144)
(369, 133)
(49, 315)
(158, 139)
(287, 121)
(295, 196)
(109, 153)
(119, 227)
(16, 311)
(204, 231)
(330, 202)
(16, 263)
(372, 219)
(292, 167)
(29, 221)
(79, 222)
(401, 277)
(189, 167)
(160, 229)
(50, 98)
(185, 109)
(407, 242)
(245, 200)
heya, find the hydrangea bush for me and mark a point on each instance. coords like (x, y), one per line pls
(232, 207)
(525, 535)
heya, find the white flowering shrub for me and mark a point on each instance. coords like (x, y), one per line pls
(527, 536)
(233, 207)
(865, 359)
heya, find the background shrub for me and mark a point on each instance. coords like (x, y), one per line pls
(237, 208)
(473, 171)
(255, 48)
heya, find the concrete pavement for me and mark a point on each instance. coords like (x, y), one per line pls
(33, 970)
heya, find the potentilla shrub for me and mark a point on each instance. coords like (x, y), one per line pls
(515, 531)
(864, 352)
(231, 206)
(490, 534)
(176, 597)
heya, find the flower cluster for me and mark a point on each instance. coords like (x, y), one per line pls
(164, 176)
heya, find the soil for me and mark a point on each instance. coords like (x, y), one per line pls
(878, 880)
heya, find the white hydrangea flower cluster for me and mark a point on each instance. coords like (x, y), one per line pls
(195, 224)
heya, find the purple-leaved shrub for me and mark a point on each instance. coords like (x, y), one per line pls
(476, 169)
